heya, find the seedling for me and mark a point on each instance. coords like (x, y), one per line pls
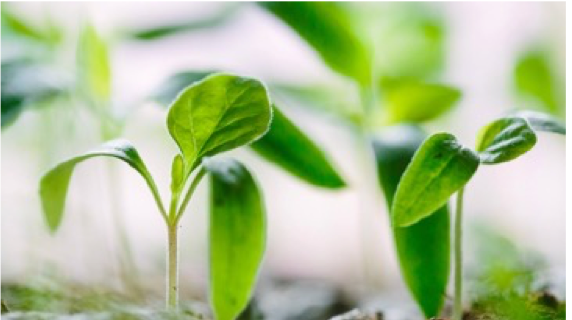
(442, 166)
(217, 114)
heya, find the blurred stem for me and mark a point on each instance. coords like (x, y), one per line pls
(172, 268)
(128, 268)
(458, 302)
(368, 101)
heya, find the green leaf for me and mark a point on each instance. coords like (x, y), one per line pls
(177, 173)
(237, 236)
(54, 184)
(94, 70)
(424, 268)
(440, 167)
(217, 114)
(327, 27)
(505, 139)
(171, 87)
(534, 77)
(25, 84)
(288, 147)
(218, 19)
(542, 122)
(20, 28)
(409, 100)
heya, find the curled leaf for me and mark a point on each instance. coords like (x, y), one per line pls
(505, 139)
(54, 184)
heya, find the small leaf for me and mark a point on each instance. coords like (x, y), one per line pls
(410, 100)
(440, 167)
(504, 140)
(93, 65)
(218, 19)
(534, 77)
(424, 268)
(49, 35)
(542, 122)
(237, 233)
(170, 88)
(177, 173)
(25, 84)
(217, 114)
(288, 147)
(54, 184)
(327, 27)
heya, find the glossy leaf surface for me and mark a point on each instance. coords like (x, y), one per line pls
(543, 122)
(505, 139)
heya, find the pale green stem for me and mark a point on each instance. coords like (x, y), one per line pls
(172, 267)
(458, 302)
(172, 227)
(189, 194)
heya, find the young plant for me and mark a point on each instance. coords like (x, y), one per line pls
(217, 114)
(442, 166)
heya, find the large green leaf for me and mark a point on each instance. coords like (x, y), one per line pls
(94, 70)
(289, 148)
(535, 78)
(409, 100)
(171, 87)
(505, 139)
(425, 268)
(237, 236)
(54, 184)
(217, 114)
(326, 26)
(542, 122)
(439, 168)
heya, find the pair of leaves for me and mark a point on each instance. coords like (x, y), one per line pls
(442, 166)
(327, 27)
(411, 100)
(425, 268)
(220, 113)
(284, 144)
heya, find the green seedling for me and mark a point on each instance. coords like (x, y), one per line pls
(217, 114)
(442, 166)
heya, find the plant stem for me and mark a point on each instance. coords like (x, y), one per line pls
(458, 302)
(172, 268)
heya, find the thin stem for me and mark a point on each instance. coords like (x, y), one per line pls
(173, 267)
(189, 194)
(458, 302)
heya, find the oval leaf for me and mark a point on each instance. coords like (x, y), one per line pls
(288, 147)
(217, 114)
(505, 139)
(439, 168)
(417, 101)
(424, 268)
(327, 28)
(543, 122)
(93, 65)
(237, 236)
(54, 184)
